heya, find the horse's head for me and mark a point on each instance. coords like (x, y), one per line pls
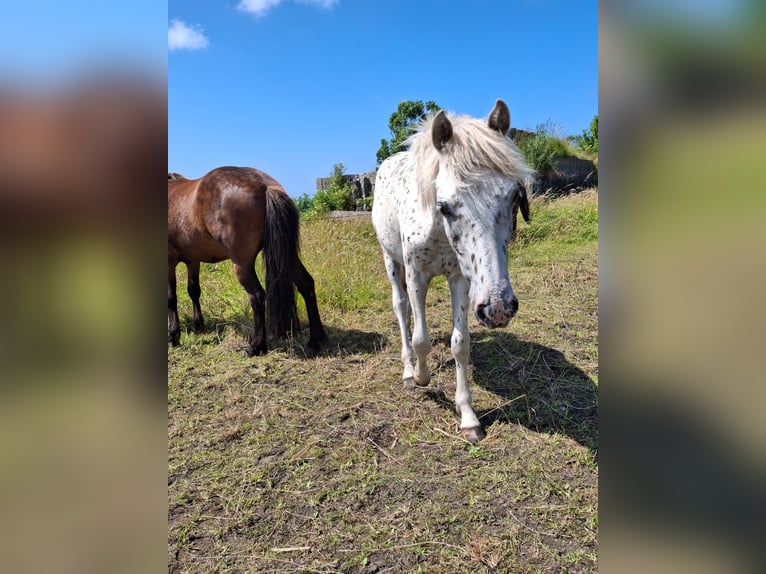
(478, 193)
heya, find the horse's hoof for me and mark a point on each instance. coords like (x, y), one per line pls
(409, 384)
(473, 434)
(312, 349)
(198, 327)
(175, 341)
(252, 352)
(423, 383)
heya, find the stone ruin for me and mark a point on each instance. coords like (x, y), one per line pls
(567, 175)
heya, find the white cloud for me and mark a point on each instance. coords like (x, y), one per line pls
(260, 7)
(326, 4)
(257, 7)
(184, 37)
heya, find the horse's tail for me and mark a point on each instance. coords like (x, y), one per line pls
(281, 241)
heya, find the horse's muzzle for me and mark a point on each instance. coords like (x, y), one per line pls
(496, 313)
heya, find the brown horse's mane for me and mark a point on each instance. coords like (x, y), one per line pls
(172, 176)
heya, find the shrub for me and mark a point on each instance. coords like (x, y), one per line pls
(338, 196)
(304, 203)
(542, 146)
(588, 140)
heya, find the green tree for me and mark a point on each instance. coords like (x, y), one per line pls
(304, 203)
(588, 140)
(402, 124)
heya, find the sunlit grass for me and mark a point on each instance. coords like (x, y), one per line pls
(286, 464)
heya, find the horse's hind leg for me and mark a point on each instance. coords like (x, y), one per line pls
(304, 282)
(249, 280)
(175, 327)
(194, 291)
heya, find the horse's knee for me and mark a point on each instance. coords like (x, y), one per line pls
(308, 281)
(460, 348)
(257, 299)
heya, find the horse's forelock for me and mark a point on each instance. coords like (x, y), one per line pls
(474, 146)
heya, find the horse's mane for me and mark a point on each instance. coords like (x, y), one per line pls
(172, 176)
(473, 148)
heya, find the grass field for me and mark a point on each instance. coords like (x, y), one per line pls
(288, 464)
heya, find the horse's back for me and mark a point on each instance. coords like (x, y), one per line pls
(220, 215)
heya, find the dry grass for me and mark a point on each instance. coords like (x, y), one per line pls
(289, 464)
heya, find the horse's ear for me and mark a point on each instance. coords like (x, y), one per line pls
(441, 130)
(523, 202)
(500, 117)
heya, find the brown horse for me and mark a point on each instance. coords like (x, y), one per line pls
(234, 213)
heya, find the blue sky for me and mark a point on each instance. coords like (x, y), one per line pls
(294, 86)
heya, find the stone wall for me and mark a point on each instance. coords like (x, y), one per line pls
(364, 183)
(567, 175)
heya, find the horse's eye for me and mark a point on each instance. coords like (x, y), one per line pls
(445, 209)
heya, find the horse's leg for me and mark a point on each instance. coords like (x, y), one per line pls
(245, 272)
(402, 310)
(175, 327)
(461, 348)
(417, 285)
(194, 291)
(304, 282)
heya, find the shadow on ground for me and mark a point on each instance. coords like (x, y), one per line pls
(543, 390)
(339, 341)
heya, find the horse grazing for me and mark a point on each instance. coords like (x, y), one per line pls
(447, 207)
(234, 213)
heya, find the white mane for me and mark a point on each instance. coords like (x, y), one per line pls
(473, 148)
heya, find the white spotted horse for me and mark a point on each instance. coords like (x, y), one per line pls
(447, 206)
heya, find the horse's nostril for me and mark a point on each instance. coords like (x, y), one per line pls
(515, 304)
(480, 311)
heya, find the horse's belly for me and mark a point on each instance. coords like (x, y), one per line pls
(199, 247)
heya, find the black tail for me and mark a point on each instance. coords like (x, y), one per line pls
(281, 240)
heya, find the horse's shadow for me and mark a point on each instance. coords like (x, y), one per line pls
(339, 341)
(544, 391)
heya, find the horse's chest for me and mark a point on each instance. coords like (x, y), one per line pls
(426, 249)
